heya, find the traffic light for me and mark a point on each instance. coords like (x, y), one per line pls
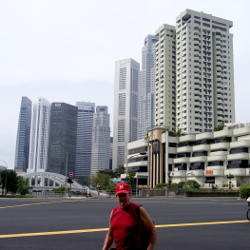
(69, 179)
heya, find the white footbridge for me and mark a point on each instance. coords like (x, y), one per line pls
(46, 181)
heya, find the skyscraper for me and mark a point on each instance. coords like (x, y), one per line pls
(197, 95)
(100, 140)
(84, 138)
(125, 108)
(23, 136)
(39, 137)
(146, 89)
(205, 72)
(62, 139)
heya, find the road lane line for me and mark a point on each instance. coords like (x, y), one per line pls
(39, 203)
(53, 233)
(106, 229)
(202, 223)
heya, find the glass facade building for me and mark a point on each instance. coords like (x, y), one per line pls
(39, 136)
(23, 135)
(84, 138)
(62, 139)
(100, 140)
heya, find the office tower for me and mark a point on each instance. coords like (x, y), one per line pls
(205, 72)
(39, 136)
(23, 136)
(84, 138)
(125, 108)
(100, 140)
(62, 139)
(146, 89)
(165, 77)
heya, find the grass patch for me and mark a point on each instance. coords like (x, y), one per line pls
(17, 196)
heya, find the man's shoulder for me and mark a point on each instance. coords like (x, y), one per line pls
(135, 206)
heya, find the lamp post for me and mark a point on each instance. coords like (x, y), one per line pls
(132, 156)
(151, 137)
(5, 175)
(230, 176)
(170, 175)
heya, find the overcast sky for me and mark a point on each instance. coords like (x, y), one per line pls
(65, 50)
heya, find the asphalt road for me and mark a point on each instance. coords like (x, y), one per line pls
(182, 223)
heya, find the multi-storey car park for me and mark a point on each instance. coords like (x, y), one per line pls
(208, 158)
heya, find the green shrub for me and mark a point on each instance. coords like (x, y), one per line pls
(17, 196)
(161, 186)
(194, 193)
(191, 184)
(181, 184)
(244, 191)
(173, 185)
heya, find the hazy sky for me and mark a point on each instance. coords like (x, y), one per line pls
(65, 50)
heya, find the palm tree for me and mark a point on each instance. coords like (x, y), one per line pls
(176, 133)
(219, 127)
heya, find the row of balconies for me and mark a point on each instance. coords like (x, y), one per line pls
(234, 133)
(216, 146)
(230, 157)
(210, 172)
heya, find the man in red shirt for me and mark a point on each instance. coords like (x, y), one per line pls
(128, 223)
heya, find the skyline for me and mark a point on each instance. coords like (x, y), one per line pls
(66, 52)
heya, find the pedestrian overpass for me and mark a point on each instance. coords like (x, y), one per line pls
(46, 181)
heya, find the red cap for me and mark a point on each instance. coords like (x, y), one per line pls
(122, 188)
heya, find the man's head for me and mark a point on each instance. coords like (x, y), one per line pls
(122, 188)
(122, 192)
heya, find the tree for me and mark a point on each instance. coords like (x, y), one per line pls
(119, 170)
(176, 133)
(113, 173)
(23, 186)
(12, 180)
(108, 172)
(219, 127)
(101, 181)
(131, 180)
(191, 184)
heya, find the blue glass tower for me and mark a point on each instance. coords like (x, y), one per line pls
(23, 135)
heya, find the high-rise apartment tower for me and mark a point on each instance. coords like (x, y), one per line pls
(197, 95)
(165, 77)
(204, 72)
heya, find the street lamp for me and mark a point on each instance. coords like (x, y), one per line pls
(170, 175)
(132, 156)
(230, 176)
(151, 138)
(5, 175)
